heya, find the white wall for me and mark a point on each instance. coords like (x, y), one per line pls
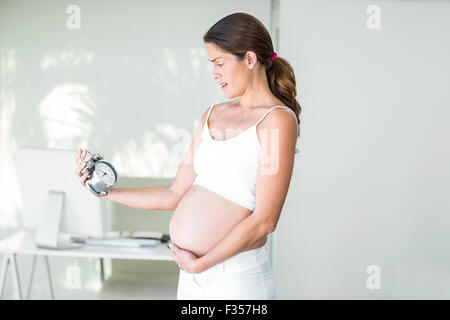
(370, 185)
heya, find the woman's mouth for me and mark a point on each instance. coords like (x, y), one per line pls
(223, 85)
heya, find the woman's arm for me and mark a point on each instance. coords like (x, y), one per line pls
(246, 233)
(147, 198)
(256, 244)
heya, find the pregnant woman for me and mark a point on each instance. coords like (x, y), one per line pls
(231, 185)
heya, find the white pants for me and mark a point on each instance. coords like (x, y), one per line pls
(245, 276)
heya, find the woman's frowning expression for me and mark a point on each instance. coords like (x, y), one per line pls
(231, 74)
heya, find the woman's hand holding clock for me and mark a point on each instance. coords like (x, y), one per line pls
(79, 159)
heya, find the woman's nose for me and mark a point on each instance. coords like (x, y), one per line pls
(215, 76)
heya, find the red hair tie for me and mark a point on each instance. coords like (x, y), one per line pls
(274, 56)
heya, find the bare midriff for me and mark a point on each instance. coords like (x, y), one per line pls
(203, 218)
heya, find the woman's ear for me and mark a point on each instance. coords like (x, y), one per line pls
(251, 59)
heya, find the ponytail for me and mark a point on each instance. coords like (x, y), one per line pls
(281, 78)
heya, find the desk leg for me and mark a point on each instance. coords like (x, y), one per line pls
(30, 283)
(3, 269)
(47, 265)
(102, 270)
(16, 275)
(10, 258)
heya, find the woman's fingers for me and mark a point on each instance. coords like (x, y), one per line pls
(80, 168)
(174, 254)
(175, 258)
(174, 249)
(77, 157)
(84, 177)
(80, 156)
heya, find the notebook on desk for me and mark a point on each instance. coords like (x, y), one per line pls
(117, 242)
(125, 239)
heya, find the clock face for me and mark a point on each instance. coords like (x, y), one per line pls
(106, 173)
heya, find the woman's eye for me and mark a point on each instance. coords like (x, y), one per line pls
(220, 65)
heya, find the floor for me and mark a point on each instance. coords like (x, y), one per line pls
(80, 278)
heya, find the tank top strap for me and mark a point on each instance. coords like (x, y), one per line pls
(264, 115)
(207, 117)
(205, 126)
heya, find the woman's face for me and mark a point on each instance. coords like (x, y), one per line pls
(231, 75)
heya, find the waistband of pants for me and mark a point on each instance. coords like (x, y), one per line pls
(238, 263)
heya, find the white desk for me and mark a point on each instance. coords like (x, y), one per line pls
(22, 242)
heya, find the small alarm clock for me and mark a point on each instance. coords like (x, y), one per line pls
(102, 175)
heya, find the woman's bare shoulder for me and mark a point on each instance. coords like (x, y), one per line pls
(220, 107)
(223, 105)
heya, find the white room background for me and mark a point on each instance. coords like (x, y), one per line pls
(372, 180)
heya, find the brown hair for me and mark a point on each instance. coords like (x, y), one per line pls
(239, 33)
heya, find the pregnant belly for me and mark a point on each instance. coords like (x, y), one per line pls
(203, 218)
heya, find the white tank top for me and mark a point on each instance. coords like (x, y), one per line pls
(230, 167)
